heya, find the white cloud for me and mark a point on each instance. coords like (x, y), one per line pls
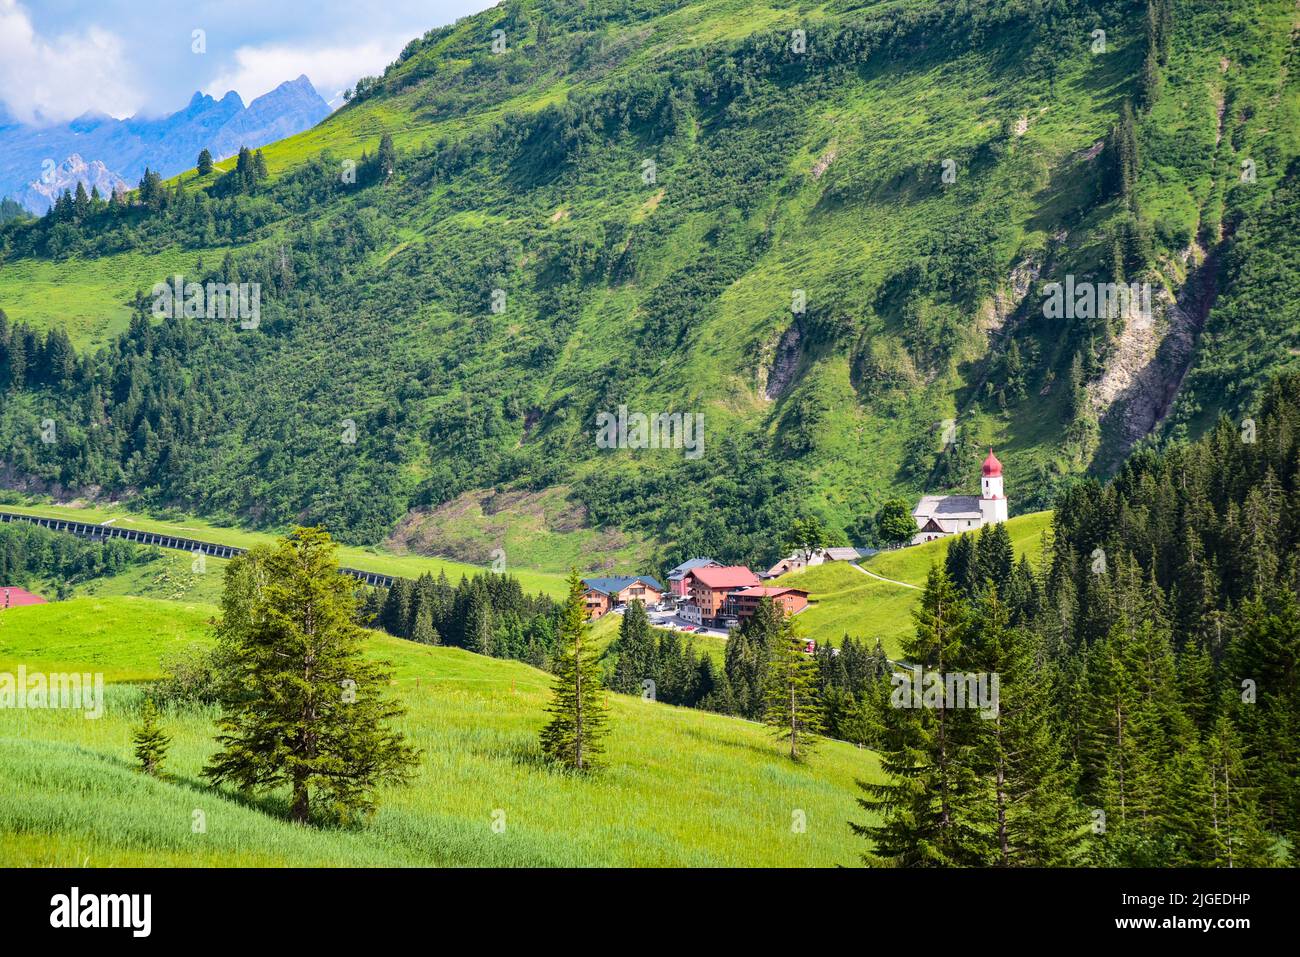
(259, 69)
(56, 79)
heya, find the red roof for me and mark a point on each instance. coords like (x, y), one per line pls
(728, 576)
(992, 467)
(769, 591)
(12, 597)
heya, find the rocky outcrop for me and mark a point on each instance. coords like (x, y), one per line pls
(774, 381)
(1010, 294)
(1151, 358)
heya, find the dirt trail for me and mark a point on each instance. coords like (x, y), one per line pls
(883, 578)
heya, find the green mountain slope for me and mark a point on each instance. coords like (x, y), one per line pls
(829, 243)
(863, 606)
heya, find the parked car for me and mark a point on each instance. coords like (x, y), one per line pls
(688, 627)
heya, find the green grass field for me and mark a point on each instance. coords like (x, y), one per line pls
(848, 602)
(912, 565)
(681, 788)
(90, 298)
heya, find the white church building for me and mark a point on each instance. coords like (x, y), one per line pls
(940, 515)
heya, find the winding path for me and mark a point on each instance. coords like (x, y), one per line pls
(884, 579)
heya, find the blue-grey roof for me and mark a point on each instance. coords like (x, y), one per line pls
(611, 586)
(689, 565)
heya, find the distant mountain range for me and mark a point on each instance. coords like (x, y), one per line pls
(37, 163)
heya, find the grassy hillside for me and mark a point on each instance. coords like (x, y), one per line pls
(682, 788)
(829, 251)
(846, 601)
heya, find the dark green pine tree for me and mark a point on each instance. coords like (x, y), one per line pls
(303, 706)
(397, 608)
(151, 742)
(1196, 684)
(635, 647)
(705, 684)
(479, 630)
(579, 713)
(1037, 822)
(245, 178)
(994, 556)
(204, 165)
(1264, 675)
(960, 563)
(423, 631)
(748, 650)
(81, 202)
(1239, 837)
(673, 669)
(1125, 745)
(934, 808)
(1122, 158)
(717, 694)
(1185, 828)
(1024, 595)
(792, 699)
(386, 158)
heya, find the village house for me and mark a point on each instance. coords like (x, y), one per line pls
(604, 594)
(940, 515)
(709, 587)
(742, 604)
(677, 585)
(820, 556)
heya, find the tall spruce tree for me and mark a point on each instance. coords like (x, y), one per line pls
(302, 705)
(792, 698)
(1037, 822)
(635, 647)
(579, 714)
(934, 807)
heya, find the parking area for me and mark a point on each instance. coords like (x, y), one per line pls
(670, 619)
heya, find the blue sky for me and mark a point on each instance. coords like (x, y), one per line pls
(60, 58)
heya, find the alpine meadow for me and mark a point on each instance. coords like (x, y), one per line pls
(861, 436)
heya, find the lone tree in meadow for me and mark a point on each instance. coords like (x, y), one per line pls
(578, 708)
(303, 707)
(205, 163)
(805, 537)
(894, 522)
(791, 693)
(151, 741)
